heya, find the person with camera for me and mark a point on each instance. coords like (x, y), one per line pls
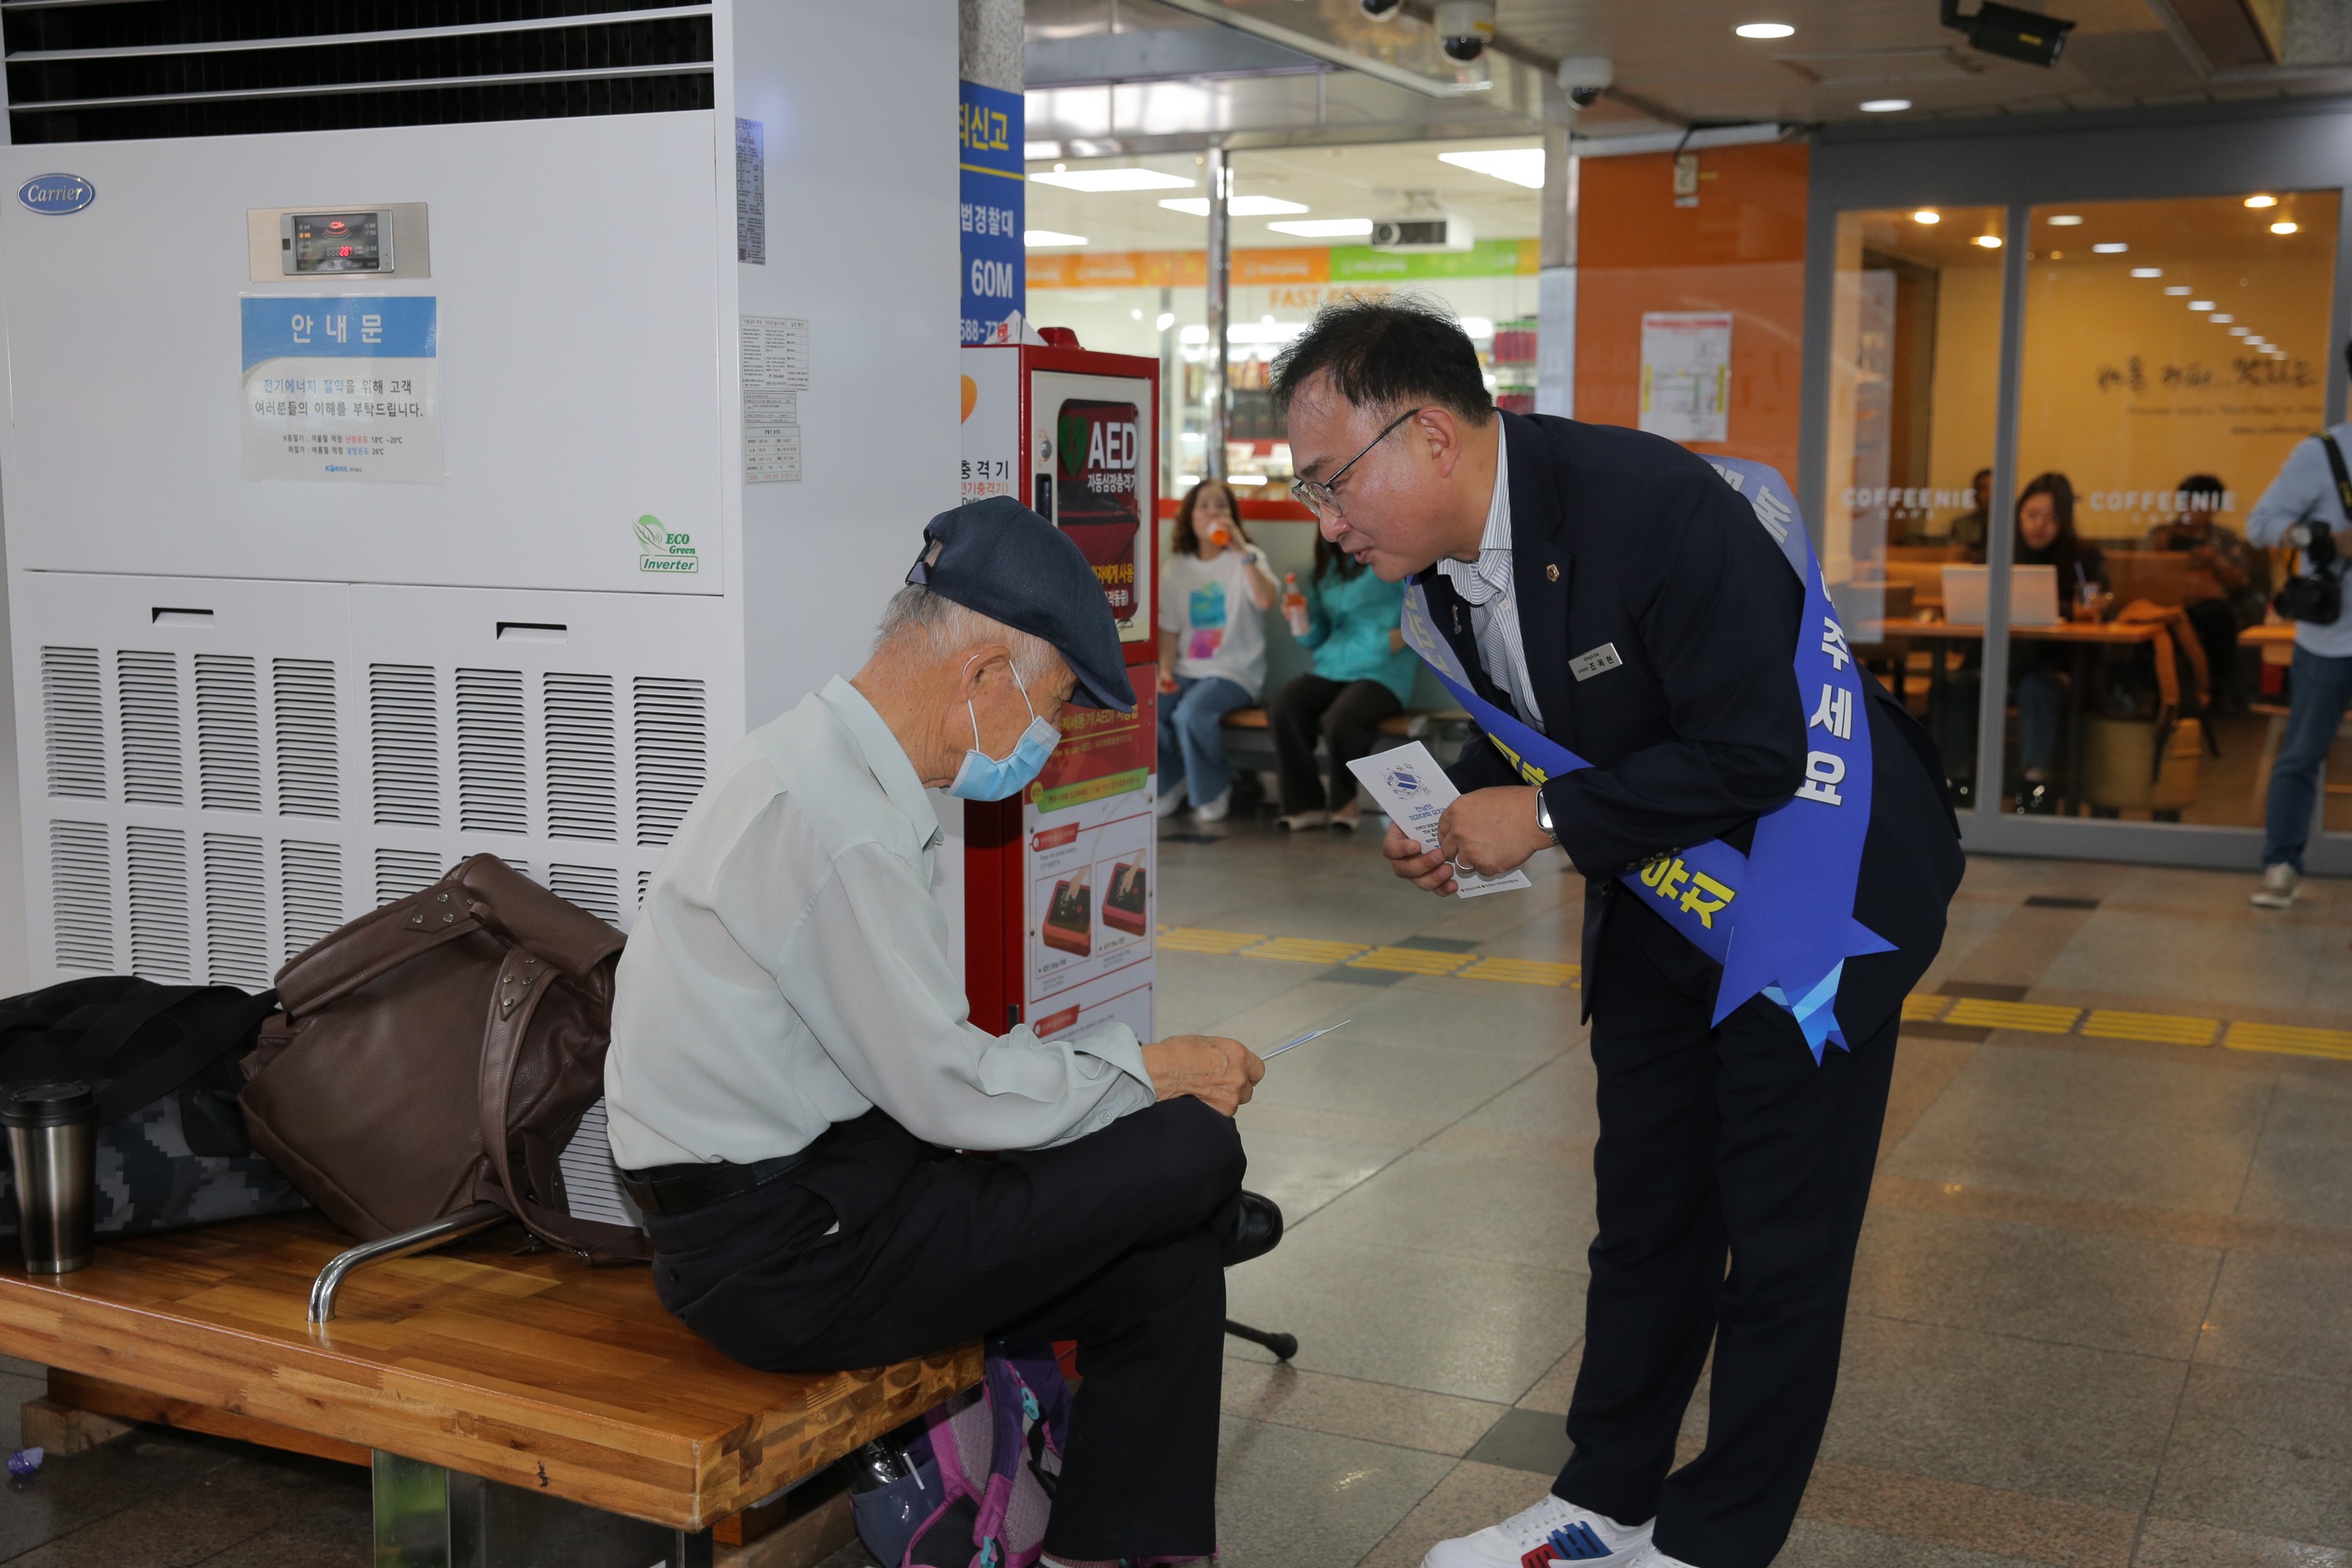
(2308, 506)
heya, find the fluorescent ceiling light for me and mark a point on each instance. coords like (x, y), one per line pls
(1927, 214)
(2176, 288)
(2240, 332)
(1194, 334)
(2148, 272)
(2065, 220)
(1990, 241)
(1246, 480)
(1326, 228)
(1167, 320)
(2282, 227)
(1765, 30)
(2260, 201)
(2222, 318)
(2201, 304)
(1885, 105)
(1048, 239)
(1114, 180)
(1519, 165)
(2111, 247)
(1478, 326)
(1240, 207)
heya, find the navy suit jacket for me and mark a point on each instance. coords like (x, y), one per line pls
(1623, 539)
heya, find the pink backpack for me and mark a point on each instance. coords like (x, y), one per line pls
(983, 1474)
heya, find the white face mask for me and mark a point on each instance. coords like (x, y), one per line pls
(983, 777)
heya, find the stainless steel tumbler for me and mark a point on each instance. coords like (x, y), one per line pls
(53, 1150)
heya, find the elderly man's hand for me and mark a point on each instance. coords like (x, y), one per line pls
(1219, 1072)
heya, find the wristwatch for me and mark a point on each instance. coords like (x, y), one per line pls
(1543, 819)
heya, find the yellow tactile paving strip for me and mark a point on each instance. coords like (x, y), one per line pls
(1920, 1007)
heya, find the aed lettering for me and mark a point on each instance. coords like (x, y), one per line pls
(1111, 446)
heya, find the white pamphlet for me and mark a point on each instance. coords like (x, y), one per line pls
(1414, 792)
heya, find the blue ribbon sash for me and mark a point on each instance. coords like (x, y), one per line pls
(1780, 918)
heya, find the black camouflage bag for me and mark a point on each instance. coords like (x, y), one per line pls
(172, 1147)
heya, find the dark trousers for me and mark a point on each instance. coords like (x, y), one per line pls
(1346, 714)
(1108, 1241)
(1713, 1142)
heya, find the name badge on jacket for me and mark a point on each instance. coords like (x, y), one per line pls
(1585, 665)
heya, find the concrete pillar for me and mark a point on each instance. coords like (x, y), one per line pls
(1221, 265)
(1556, 277)
(991, 47)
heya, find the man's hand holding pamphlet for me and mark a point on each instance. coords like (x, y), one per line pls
(1414, 792)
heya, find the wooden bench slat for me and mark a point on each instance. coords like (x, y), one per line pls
(537, 1371)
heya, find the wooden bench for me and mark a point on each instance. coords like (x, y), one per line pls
(501, 1400)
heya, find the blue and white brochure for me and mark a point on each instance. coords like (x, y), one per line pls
(1414, 792)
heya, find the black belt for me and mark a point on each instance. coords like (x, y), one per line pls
(676, 1189)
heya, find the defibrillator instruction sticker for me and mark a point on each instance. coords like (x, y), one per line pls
(342, 387)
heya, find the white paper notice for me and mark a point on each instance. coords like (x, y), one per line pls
(1414, 792)
(775, 351)
(1686, 374)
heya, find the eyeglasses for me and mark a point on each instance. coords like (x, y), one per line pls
(1321, 495)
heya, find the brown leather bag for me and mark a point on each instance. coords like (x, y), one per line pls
(440, 1052)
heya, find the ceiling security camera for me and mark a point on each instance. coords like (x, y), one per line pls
(1464, 28)
(1584, 77)
(1381, 10)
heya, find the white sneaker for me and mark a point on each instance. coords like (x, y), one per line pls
(2279, 890)
(1554, 1531)
(1170, 801)
(1302, 820)
(1215, 810)
(1651, 1557)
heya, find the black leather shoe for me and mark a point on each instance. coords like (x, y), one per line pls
(1254, 1230)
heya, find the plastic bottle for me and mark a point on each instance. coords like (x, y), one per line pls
(876, 1466)
(1293, 604)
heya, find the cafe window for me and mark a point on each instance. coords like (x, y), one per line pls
(2174, 352)
(1914, 349)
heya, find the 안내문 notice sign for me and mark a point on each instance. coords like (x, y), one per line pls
(342, 387)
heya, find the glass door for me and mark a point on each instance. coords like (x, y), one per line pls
(1915, 368)
(2174, 352)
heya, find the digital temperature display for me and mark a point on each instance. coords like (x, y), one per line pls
(337, 242)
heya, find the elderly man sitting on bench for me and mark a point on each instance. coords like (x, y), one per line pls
(793, 1069)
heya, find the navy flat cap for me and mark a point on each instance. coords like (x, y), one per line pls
(1001, 559)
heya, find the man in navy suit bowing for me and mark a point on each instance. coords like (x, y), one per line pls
(1615, 606)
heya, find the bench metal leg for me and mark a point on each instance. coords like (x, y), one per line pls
(427, 1516)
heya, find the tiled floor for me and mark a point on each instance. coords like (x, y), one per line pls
(2100, 1316)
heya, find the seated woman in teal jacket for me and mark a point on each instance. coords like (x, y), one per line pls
(1364, 674)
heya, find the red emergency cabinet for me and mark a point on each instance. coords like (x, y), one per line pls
(1060, 882)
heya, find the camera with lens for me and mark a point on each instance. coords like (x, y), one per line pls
(1464, 28)
(2317, 597)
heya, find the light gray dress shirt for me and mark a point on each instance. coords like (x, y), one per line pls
(2305, 491)
(1486, 586)
(790, 970)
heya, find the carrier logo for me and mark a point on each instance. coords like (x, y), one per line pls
(659, 549)
(57, 193)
